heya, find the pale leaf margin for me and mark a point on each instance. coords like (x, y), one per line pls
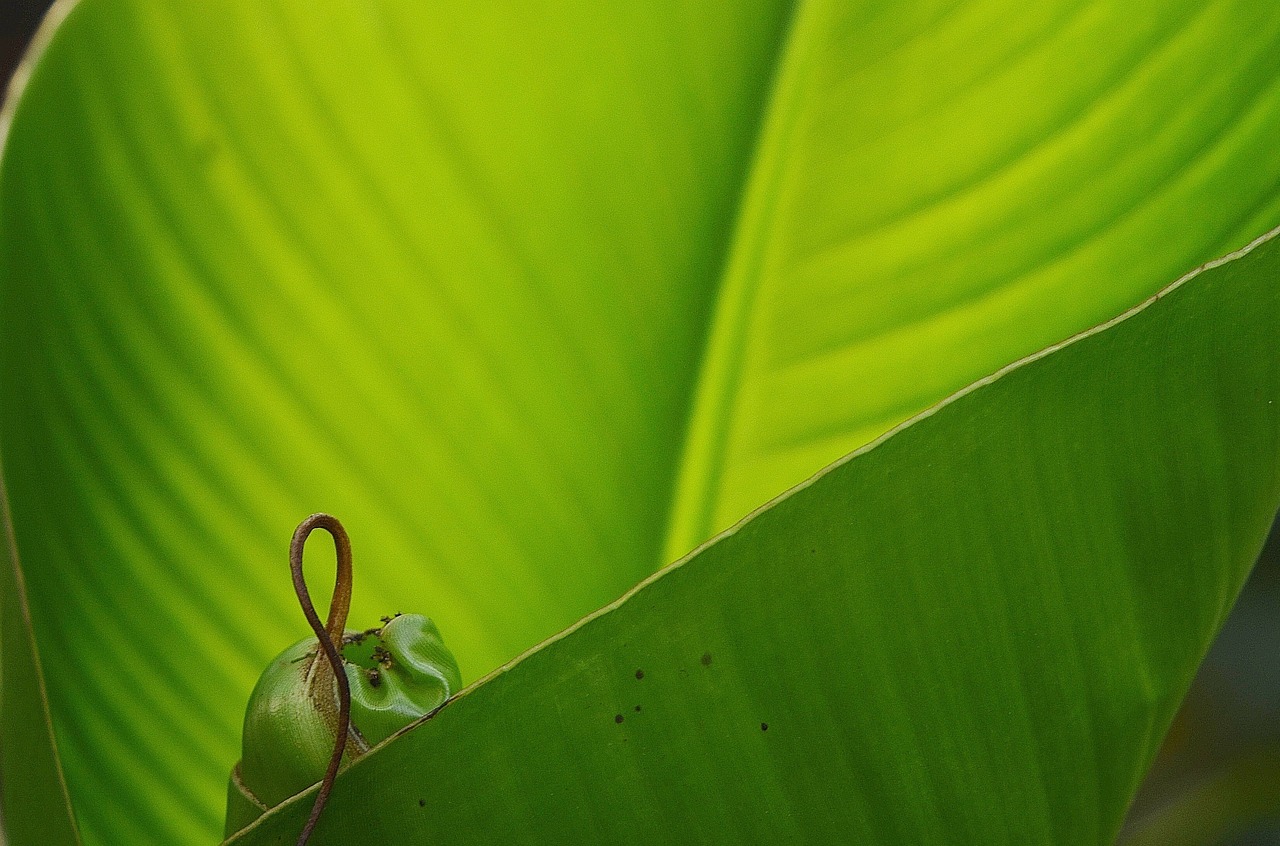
(22, 802)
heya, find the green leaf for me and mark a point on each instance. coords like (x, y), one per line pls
(535, 298)
(942, 188)
(261, 261)
(975, 630)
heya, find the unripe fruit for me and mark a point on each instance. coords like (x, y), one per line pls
(360, 686)
(397, 674)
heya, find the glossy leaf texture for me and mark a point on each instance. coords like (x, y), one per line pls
(535, 297)
(975, 630)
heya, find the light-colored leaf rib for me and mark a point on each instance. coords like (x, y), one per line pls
(811, 318)
(710, 414)
(711, 420)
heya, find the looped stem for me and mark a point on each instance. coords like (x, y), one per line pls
(330, 636)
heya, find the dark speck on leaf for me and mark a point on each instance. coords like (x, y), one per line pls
(637, 709)
(422, 803)
(617, 718)
(764, 727)
(706, 659)
(639, 674)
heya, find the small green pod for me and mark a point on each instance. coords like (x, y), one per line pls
(397, 673)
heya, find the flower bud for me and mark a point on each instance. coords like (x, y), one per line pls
(397, 674)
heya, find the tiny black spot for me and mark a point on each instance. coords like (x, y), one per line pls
(637, 709)
(422, 803)
(617, 718)
(706, 659)
(639, 674)
(813, 552)
(764, 727)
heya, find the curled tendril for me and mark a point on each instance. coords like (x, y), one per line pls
(330, 637)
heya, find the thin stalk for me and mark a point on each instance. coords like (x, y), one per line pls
(330, 636)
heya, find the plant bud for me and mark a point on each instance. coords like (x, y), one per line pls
(397, 674)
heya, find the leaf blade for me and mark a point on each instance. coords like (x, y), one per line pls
(896, 248)
(249, 275)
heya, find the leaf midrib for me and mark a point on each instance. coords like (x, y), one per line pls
(715, 389)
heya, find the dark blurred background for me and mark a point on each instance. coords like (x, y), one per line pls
(1217, 780)
(18, 20)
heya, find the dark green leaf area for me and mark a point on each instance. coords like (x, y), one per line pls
(974, 631)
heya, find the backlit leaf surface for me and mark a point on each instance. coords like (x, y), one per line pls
(536, 297)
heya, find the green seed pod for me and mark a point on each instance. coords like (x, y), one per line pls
(395, 674)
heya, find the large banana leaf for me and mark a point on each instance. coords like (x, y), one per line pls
(538, 296)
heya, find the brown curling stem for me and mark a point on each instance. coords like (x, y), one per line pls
(330, 637)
